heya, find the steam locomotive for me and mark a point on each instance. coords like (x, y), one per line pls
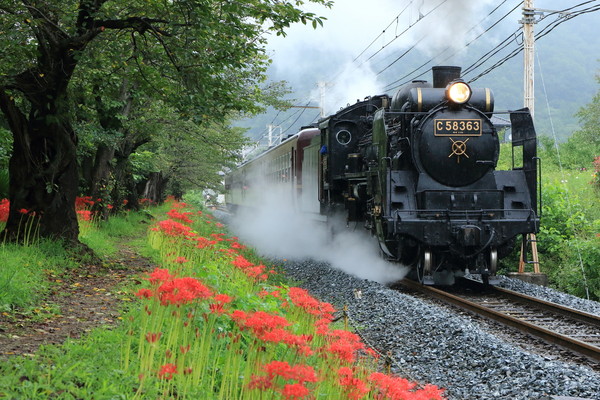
(417, 170)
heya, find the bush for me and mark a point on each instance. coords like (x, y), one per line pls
(568, 243)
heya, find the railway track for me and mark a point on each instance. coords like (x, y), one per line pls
(563, 326)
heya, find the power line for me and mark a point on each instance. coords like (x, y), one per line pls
(378, 36)
(563, 17)
(421, 18)
(391, 86)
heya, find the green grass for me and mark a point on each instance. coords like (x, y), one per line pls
(104, 237)
(24, 272)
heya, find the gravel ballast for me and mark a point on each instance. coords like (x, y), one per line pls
(430, 344)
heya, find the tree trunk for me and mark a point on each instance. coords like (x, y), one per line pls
(155, 187)
(100, 185)
(43, 176)
(125, 191)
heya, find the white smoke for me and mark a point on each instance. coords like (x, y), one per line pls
(351, 84)
(277, 229)
(443, 28)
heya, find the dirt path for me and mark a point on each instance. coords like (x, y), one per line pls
(81, 300)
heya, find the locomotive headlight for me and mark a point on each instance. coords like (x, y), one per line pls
(458, 92)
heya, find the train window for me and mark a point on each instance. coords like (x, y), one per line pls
(343, 137)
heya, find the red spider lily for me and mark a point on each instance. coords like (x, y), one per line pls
(431, 392)
(144, 293)
(391, 387)
(260, 382)
(253, 271)
(181, 260)
(219, 306)
(241, 263)
(167, 371)
(204, 242)
(354, 388)
(397, 388)
(183, 217)
(219, 225)
(302, 299)
(84, 215)
(295, 391)
(160, 275)
(4, 209)
(275, 293)
(345, 346)
(23, 211)
(82, 203)
(236, 245)
(322, 326)
(259, 322)
(239, 317)
(279, 335)
(223, 298)
(301, 373)
(153, 337)
(175, 229)
(182, 290)
(218, 236)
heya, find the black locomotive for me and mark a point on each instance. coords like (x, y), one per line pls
(417, 170)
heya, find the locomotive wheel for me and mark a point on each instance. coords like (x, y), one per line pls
(424, 266)
(493, 262)
(491, 268)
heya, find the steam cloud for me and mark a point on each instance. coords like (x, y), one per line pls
(438, 28)
(276, 229)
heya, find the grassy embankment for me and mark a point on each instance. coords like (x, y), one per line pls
(213, 322)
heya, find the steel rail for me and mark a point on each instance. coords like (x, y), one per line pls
(591, 319)
(578, 346)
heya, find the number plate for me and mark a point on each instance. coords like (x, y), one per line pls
(457, 127)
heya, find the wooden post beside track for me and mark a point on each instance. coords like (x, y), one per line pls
(529, 240)
(529, 243)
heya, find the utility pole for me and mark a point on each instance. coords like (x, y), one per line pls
(271, 127)
(528, 55)
(322, 86)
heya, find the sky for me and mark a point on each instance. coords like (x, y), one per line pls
(354, 53)
(352, 27)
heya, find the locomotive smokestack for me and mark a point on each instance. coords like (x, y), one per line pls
(443, 75)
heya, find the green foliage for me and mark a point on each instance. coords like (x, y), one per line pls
(5, 147)
(4, 183)
(135, 70)
(505, 157)
(568, 243)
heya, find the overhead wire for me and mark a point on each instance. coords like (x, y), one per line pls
(391, 86)
(421, 18)
(384, 30)
(563, 17)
